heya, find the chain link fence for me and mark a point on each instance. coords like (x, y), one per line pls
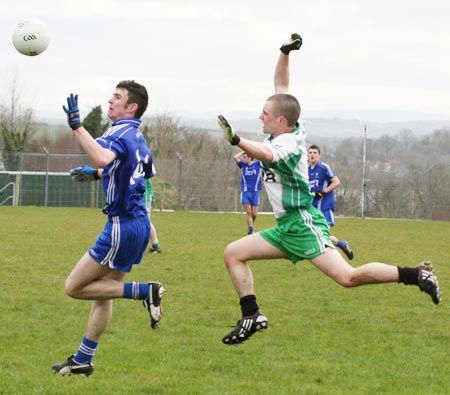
(42, 179)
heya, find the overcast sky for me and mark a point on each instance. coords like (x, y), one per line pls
(199, 56)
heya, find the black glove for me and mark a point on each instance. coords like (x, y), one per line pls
(73, 114)
(293, 44)
(320, 194)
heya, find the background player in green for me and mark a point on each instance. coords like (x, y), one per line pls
(250, 187)
(301, 231)
(155, 248)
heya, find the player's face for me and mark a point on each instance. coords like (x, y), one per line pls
(247, 159)
(313, 156)
(118, 106)
(270, 122)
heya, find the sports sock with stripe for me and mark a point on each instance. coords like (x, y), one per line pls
(136, 291)
(86, 351)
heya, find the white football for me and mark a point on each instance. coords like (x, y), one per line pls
(30, 37)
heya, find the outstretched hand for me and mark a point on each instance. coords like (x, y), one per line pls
(228, 131)
(84, 173)
(72, 111)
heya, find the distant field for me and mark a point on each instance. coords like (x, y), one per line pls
(323, 339)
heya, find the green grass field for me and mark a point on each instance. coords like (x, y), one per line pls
(323, 339)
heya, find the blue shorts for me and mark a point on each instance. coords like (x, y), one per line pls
(251, 198)
(122, 243)
(329, 216)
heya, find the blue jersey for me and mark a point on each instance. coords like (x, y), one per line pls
(123, 178)
(319, 178)
(250, 176)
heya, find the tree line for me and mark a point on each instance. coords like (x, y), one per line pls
(406, 176)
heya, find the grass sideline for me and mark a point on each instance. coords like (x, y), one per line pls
(323, 339)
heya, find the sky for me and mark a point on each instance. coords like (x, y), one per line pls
(360, 58)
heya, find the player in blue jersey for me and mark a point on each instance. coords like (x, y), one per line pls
(251, 185)
(301, 231)
(323, 181)
(124, 161)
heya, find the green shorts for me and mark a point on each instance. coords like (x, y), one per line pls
(303, 234)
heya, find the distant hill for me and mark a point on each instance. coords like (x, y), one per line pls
(328, 128)
(338, 126)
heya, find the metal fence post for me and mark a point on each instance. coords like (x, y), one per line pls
(46, 175)
(180, 171)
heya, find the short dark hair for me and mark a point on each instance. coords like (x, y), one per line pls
(286, 105)
(137, 93)
(314, 147)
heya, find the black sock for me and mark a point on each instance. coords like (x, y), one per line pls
(408, 275)
(248, 305)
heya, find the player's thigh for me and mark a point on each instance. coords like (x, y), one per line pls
(252, 247)
(333, 265)
(88, 270)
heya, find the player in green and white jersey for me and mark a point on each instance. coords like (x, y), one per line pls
(301, 231)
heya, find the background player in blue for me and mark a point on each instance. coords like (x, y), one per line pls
(301, 231)
(124, 160)
(251, 185)
(323, 181)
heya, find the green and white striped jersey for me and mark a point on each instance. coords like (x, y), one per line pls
(286, 177)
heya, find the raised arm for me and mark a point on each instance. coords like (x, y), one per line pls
(99, 155)
(237, 157)
(281, 77)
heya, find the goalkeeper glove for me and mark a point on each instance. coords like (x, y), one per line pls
(293, 44)
(228, 131)
(84, 173)
(320, 194)
(73, 113)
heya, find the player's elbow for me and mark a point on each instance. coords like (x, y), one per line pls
(104, 157)
(102, 162)
(266, 156)
(336, 182)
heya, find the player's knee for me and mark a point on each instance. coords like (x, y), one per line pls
(227, 256)
(230, 256)
(347, 280)
(70, 288)
(350, 282)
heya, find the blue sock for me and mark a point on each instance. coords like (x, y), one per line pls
(342, 245)
(136, 291)
(86, 351)
(250, 229)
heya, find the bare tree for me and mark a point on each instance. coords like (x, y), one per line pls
(16, 124)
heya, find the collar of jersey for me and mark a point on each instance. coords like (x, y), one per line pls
(136, 122)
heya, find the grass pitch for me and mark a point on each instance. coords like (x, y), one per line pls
(322, 339)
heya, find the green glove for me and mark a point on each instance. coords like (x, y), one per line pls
(228, 131)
